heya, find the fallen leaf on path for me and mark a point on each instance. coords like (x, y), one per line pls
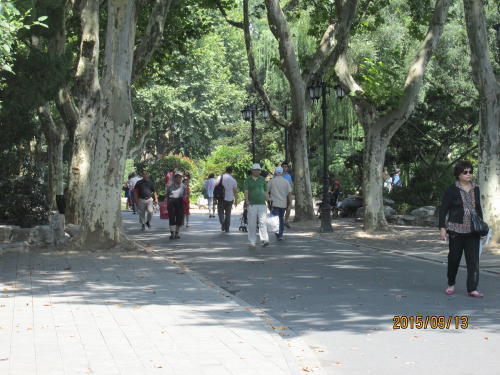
(339, 363)
(279, 328)
(67, 268)
(4, 359)
(486, 338)
(47, 304)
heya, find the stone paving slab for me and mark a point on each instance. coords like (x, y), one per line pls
(125, 313)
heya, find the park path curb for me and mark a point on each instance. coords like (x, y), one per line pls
(299, 357)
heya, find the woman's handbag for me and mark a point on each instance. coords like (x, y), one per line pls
(478, 225)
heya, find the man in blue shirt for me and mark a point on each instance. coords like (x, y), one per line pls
(287, 177)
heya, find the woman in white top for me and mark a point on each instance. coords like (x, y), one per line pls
(209, 189)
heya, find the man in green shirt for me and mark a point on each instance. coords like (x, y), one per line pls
(255, 200)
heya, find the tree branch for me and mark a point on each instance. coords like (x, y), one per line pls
(291, 5)
(414, 80)
(219, 6)
(334, 41)
(275, 114)
(482, 69)
(152, 38)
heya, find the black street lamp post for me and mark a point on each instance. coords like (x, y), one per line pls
(318, 90)
(248, 114)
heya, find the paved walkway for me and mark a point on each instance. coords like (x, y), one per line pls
(341, 299)
(128, 313)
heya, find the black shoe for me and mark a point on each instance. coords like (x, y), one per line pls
(172, 237)
(223, 228)
(143, 227)
(288, 226)
(148, 224)
(265, 244)
(177, 237)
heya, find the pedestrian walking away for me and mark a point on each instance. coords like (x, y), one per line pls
(225, 203)
(460, 201)
(287, 176)
(175, 204)
(255, 199)
(145, 196)
(209, 194)
(280, 195)
(133, 179)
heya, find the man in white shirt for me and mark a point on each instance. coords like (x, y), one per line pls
(280, 194)
(131, 186)
(230, 192)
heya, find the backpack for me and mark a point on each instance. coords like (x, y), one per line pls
(219, 191)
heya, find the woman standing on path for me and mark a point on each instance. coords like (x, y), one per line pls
(185, 200)
(459, 201)
(175, 203)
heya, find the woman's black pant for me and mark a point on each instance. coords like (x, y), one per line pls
(467, 243)
(175, 212)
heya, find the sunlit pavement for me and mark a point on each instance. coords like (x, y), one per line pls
(126, 313)
(342, 301)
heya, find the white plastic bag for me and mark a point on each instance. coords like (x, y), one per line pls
(273, 223)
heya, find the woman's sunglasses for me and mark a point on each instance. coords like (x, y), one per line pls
(467, 171)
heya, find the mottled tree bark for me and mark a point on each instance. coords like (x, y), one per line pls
(489, 114)
(380, 128)
(55, 135)
(333, 43)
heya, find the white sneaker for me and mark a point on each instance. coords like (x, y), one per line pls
(253, 244)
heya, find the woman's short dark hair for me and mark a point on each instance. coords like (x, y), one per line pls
(211, 175)
(460, 166)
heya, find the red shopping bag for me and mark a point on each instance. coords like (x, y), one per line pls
(163, 210)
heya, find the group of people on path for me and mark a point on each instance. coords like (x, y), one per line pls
(460, 207)
(223, 192)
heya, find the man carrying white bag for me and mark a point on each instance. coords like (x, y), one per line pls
(280, 194)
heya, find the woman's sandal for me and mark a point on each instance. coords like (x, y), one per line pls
(449, 291)
(476, 294)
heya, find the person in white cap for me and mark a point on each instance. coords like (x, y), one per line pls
(280, 194)
(255, 199)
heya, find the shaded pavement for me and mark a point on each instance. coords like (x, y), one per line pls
(342, 299)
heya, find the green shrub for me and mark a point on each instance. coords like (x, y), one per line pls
(159, 168)
(426, 187)
(23, 201)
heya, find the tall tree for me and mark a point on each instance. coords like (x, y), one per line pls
(381, 125)
(489, 113)
(332, 45)
(105, 120)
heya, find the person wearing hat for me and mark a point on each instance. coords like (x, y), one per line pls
(255, 199)
(287, 176)
(280, 194)
(175, 193)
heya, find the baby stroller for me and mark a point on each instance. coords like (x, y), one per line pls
(244, 221)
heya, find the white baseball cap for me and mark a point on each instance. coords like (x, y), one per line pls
(278, 170)
(256, 166)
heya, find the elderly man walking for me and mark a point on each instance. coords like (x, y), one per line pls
(255, 200)
(280, 194)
